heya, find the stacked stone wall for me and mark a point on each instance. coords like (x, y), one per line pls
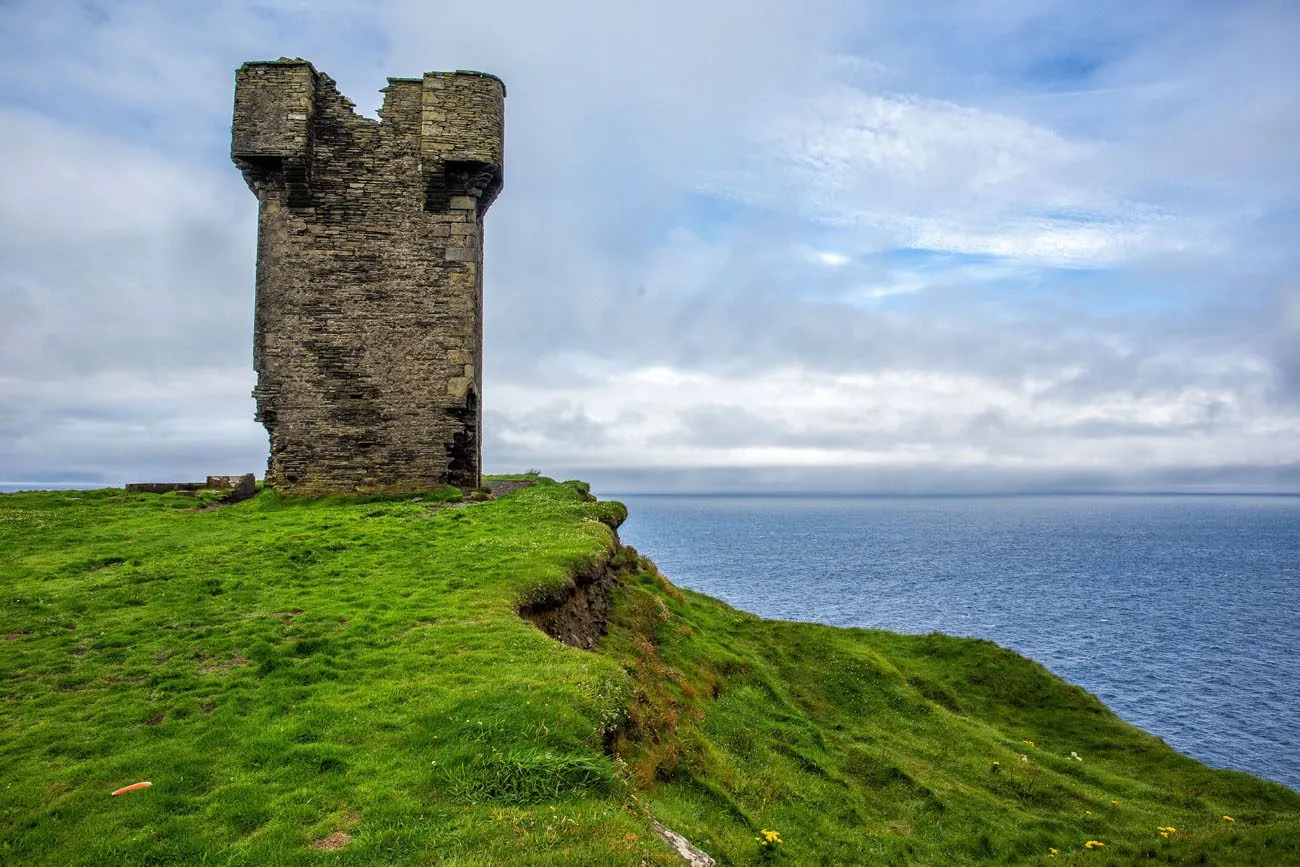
(368, 322)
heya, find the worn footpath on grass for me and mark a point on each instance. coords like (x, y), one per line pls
(350, 681)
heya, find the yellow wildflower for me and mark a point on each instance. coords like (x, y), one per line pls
(1053, 852)
(1094, 844)
(1028, 741)
(1114, 803)
(1229, 819)
(1166, 830)
(769, 839)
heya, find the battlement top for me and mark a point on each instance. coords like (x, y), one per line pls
(478, 74)
(283, 61)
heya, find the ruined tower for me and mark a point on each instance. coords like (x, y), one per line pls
(368, 331)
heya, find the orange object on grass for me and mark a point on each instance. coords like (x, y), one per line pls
(131, 788)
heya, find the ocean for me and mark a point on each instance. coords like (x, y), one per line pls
(1181, 613)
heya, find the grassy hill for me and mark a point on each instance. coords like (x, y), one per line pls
(342, 681)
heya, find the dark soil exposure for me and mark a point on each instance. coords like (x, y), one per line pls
(579, 615)
(333, 842)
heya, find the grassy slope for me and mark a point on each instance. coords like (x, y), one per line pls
(285, 670)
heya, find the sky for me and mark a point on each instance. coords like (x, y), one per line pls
(744, 245)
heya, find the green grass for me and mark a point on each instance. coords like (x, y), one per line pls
(285, 670)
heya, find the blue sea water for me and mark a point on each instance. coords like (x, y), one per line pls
(1181, 613)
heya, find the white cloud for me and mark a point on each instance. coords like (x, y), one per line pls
(1052, 243)
(934, 174)
(872, 294)
(829, 258)
(64, 185)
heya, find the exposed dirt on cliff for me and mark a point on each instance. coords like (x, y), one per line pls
(579, 615)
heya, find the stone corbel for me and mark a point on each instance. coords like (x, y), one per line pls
(453, 178)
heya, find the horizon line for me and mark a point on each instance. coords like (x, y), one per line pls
(951, 494)
(88, 485)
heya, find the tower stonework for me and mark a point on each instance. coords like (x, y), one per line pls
(368, 331)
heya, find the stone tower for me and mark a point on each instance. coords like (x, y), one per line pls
(368, 330)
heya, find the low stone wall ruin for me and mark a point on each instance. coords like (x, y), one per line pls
(236, 487)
